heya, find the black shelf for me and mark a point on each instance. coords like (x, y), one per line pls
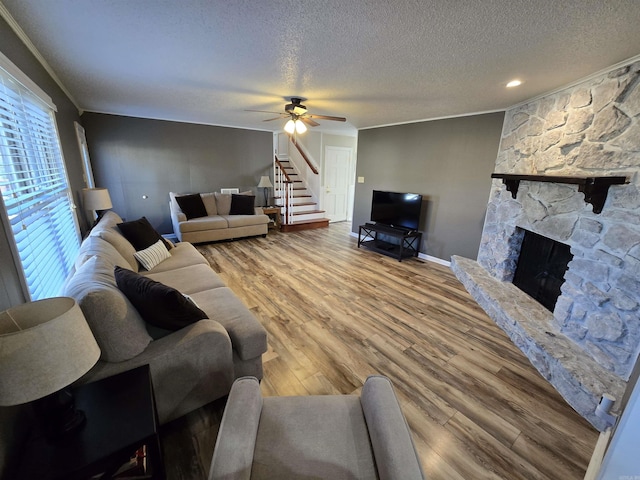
(408, 242)
(595, 189)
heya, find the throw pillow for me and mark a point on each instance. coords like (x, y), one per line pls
(192, 206)
(153, 255)
(223, 203)
(158, 304)
(209, 200)
(140, 234)
(242, 205)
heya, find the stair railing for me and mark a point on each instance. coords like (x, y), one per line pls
(284, 185)
(303, 154)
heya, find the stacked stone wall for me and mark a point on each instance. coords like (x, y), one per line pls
(592, 129)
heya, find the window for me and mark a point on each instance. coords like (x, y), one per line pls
(38, 207)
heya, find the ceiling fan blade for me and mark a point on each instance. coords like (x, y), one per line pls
(326, 117)
(307, 121)
(271, 119)
(265, 111)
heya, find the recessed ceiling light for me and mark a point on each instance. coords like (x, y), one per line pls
(514, 83)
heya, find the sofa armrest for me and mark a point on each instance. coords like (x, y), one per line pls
(233, 453)
(176, 217)
(189, 368)
(390, 435)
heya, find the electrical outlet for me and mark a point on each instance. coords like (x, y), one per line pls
(360, 179)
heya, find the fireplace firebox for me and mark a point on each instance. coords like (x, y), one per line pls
(541, 267)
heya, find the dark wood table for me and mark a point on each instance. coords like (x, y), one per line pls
(121, 418)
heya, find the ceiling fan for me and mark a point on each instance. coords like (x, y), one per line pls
(299, 119)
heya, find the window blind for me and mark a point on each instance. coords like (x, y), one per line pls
(38, 207)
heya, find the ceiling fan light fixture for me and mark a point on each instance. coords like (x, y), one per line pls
(300, 126)
(290, 126)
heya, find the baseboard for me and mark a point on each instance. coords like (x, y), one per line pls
(437, 260)
(421, 256)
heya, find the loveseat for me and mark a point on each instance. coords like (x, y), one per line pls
(219, 216)
(190, 365)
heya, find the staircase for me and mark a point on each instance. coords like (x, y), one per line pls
(299, 207)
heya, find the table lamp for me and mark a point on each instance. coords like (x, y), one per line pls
(265, 183)
(97, 200)
(44, 347)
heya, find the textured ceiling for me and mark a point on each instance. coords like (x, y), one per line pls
(376, 62)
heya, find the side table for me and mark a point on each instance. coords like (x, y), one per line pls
(121, 418)
(275, 214)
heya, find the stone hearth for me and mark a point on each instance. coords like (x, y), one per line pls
(589, 344)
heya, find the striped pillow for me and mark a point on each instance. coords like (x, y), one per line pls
(153, 255)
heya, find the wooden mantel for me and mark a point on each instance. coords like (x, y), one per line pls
(595, 189)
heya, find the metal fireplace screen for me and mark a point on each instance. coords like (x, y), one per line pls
(541, 267)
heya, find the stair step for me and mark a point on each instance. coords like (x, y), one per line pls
(305, 225)
(307, 212)
(297, 196)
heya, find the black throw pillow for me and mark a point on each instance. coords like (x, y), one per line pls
(192, 205)
(157, 303)
(141, 234)
(242, 205)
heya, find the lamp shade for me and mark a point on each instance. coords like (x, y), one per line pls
(96, 199)
(265, 182)
(300, 127)
(44, 347)
(290, 126)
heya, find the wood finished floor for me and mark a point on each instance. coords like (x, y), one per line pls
(336, 314)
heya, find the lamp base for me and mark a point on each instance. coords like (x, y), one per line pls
(57, 414)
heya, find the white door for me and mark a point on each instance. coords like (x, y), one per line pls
(337, 178)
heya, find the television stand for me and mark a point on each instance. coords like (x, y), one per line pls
(407, 245)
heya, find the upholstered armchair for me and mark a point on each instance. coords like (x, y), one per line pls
(314, 437)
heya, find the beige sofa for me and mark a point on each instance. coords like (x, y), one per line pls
(190, 367)
(218, 224)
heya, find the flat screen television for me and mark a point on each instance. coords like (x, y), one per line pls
(400, 210)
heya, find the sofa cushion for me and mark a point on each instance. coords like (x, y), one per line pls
(141, 234)
(190, 279)
(246, 220)
(115, 323)
(159, 304)
(122, 245)
(109, 220)
(92, 246)
(209, 200)
(192, 206)
(153, 255)
(242, 205)
(216, 222)
(223, 203)
(328, 434)
(248, 337)
(182, 255)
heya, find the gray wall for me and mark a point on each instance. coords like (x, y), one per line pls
(133, 157)
(13, 48)
(448, 161)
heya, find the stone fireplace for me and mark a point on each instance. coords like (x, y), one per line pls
(588, 345)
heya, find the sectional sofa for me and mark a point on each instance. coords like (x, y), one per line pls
(190, 366)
